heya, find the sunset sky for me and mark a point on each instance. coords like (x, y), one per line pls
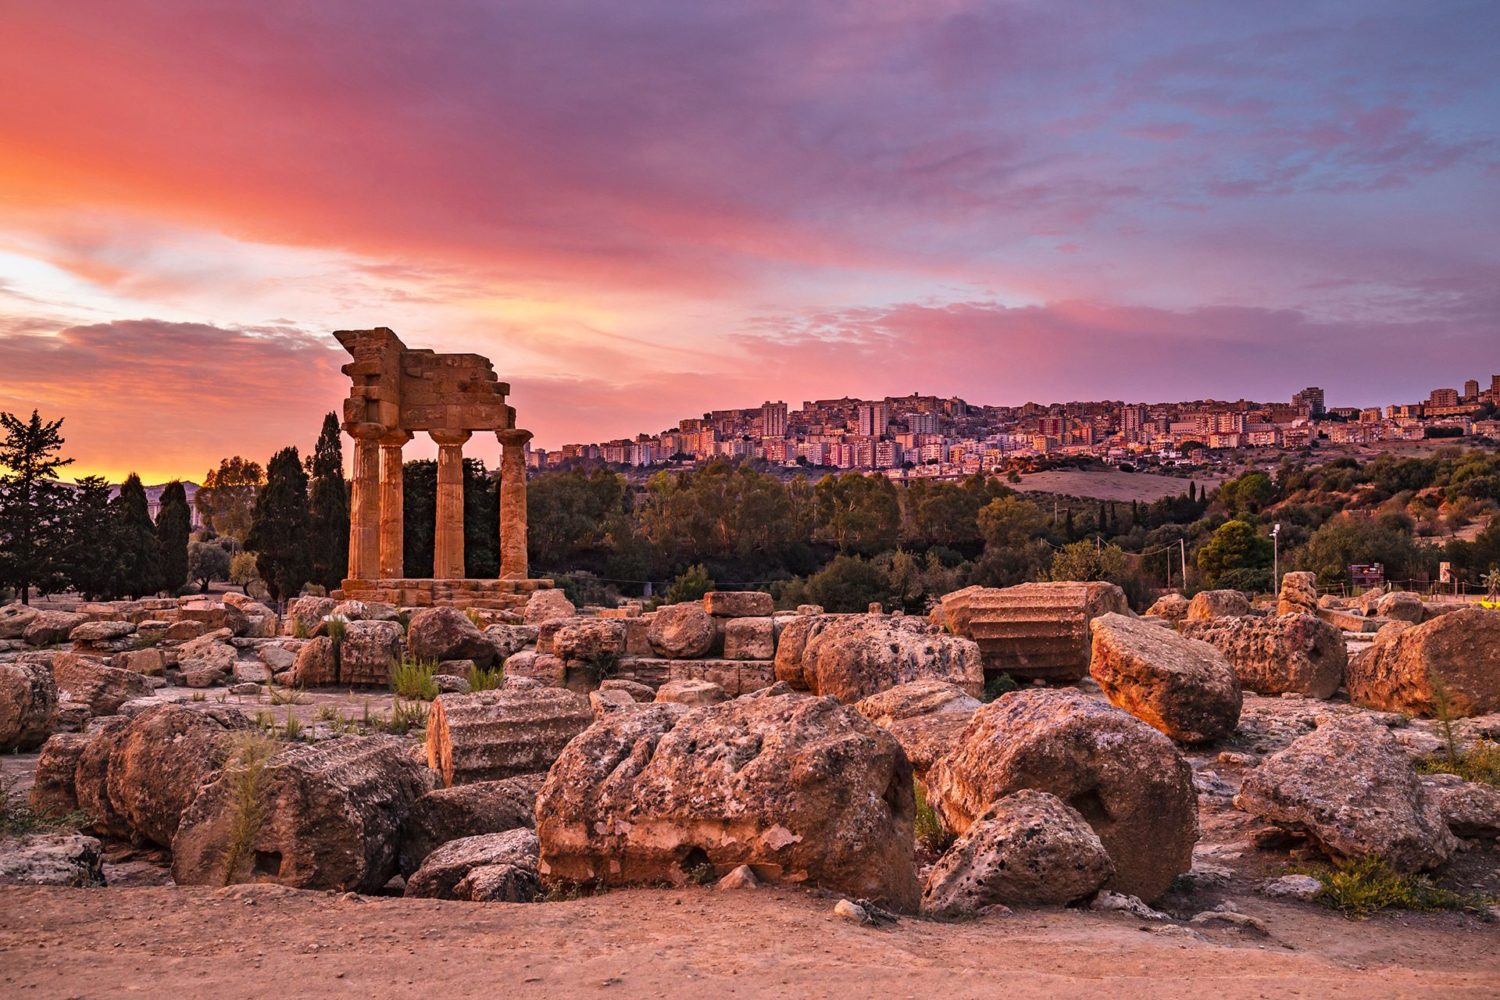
(644, 210)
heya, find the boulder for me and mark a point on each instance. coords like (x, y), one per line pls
(304, 616)
(447, 814)
(1029, 849)
(749, 639)
(328, 817)
(367, 651)
(1126, 779)
(510, 639)
(103, 689)
(682, 632)
(53, 792)
(1208, 604)
(251, 672)
(47, 628)
(1471, 809)
(1033, 630)
(489, 868)
(183, 631)
(489, 735)
(28, 705)
(447, 634)
(1351, 786)
(1454, 658)
(688, 692)
(91, 776)
(206, 660)
(638, 692)
(1299, 594)
(1169, 607)
(603, 702)
(802, 789)
(925, 717)
(101, 633)
(854, 656)
(147, 662)
(1290, 654)
(14, 618)
(159, 760)
(1401, 606)
(1181, 686)
(738, 604)
(69, 860)
(592, 640)
(547, 605)
(315, 664)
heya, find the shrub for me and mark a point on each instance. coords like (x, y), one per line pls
(1362, 887)
(931, 833)
(690, 586)
(246, 773)
(411, 678)
(406, 716)
(998, 685)
(486, 678)
(1480, 762)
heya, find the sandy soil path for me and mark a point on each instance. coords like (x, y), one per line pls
(268, 941)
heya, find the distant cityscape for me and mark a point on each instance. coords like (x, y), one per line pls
(933, 436)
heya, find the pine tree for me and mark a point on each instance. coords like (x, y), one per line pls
(279, 527)
(135, 538)
(91, 557)
(174, 522)
(328, 519)
(33, 504)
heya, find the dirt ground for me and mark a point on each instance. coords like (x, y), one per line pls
(1111, 484)
(254, 941)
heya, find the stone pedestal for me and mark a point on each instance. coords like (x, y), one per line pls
(392, 504)
(364, 503)
(513, 564)
(448, 538)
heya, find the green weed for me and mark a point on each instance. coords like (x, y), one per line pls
(411, 678)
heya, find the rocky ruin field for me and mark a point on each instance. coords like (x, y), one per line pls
(1034, 790)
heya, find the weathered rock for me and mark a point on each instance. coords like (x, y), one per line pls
(1299, 594)
(160, 759)
(1401, 606)
(490, 735)
(1455, 657)
(103, 689)
(682, 632)
(447, 634)
(510, 639)
(97, 633)
(1181, 686)
(1029, 849)
(1034, 630)
(366, 611)
(925, 717)
(592, 640)
(802, 789)
(46, 628)
(1208, 604)
(749, 639)
(685, 692)
(854, 656)
(279, 656)
(639, 692)
(91, 776)
(14, 619)
(367, 651)
(447, 814)
(1170, 607)
(507, 860)
(330, 818)
(28, 704)
(146, 662)
(603, 702)
(1303, 887)
(53, 792)
(738, 604)
(206, 660)
(304, 616)
(547, 605)
(1470, 808)
(1126, 779)
(251, 672)
(315, 664)
(58, 859)
(1290, 654)
(1351, 787)
(184, 631)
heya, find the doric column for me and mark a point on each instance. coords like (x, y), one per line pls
(392, 496)
(364, 503)
(513, 503)
(448, 543)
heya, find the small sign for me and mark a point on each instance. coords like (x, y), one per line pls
(1445, 572)
(1367, 574)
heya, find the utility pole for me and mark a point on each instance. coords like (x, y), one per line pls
(1276, 558)
(1182, 543)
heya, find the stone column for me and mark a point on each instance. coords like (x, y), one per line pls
(448, 544)
(392, 542)
(364, 503)
(513, 503)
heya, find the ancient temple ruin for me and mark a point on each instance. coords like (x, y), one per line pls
(396, 392)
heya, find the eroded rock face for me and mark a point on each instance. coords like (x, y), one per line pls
(749, 638)
(1170, 607)
(682, 632)
(1349, 784)
(738, 604)
(1029, 849)
(447, 634)
(851, 657)
(1459, 650)
(1290, 654)
(447, 814)
(91, 776)
(490, 735)
(102, 688)
(801, 788)
(332, 814)
(305, 615)
(511, 639)
(47, 628)
(161, 758)
(28, 704)
(1401, 606)
(1470, 808)
(1299, 594)
(548, 605)
(60, 859)
(1181, 686)
(206, 660)
(691, 692)
(490, 868)
(1209, 604)
(315, 665)
(14, 618)
(368, 649)
(925, 717)
(592, 640)
(53, 792)
(1126, 779)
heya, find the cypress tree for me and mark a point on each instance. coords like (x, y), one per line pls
(33, 504)
(328, 519)
(91, 558)
(135, 540)
(481, 521)
(279, 527)
(174, 522)
(419, 509)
